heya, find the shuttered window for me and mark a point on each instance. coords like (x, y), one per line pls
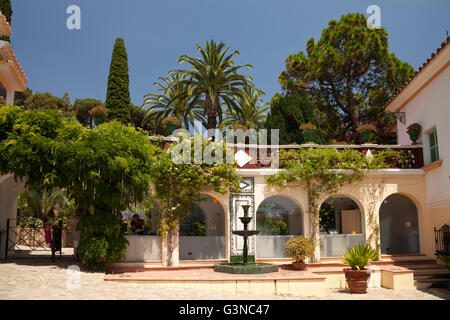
(434, 151)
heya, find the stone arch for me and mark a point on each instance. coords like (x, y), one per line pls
(345, 226)
(359, 206)
(399, 216)
(203, 231)
(279, 217)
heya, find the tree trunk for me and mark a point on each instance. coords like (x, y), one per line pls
(314, 226)
(170, 248)
(211, 112)
(315, 235)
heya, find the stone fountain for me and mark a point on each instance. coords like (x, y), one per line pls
(245, 267)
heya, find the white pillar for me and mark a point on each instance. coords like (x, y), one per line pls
(9, 97)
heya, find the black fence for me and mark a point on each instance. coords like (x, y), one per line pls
(33, 238)
(442, 240)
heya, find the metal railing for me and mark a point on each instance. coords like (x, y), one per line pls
(442, 240)
(32, 239)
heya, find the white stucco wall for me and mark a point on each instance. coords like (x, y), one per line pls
(431, 108)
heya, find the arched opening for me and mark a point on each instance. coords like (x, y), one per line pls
(278, 219)
(399, 225)
(202, 232)
(340, 225)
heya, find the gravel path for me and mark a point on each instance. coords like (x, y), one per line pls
(39, 279)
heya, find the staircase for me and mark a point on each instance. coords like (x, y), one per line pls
(424, 272)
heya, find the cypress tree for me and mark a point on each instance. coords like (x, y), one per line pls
(118, 93)
(288, 113)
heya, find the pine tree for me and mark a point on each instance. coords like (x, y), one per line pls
(118, 93)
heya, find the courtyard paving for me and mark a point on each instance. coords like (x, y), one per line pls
(29, 279)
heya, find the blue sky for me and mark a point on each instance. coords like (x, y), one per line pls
(157, 32)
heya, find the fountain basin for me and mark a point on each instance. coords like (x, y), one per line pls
(251, 268)
(245, 233)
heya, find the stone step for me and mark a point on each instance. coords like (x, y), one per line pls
(423, 272)
(426, 283)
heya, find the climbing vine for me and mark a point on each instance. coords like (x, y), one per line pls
(322, 172)
(177, 186)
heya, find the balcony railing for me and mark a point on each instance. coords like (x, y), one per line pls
(412, 154)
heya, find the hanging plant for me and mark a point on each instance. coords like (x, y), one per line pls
(308, 130)
(99, 113)
(366, 131)
(414, 132)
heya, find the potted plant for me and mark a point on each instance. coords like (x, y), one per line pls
(171, 124)
(99, 113)
(357, 258)
(300, 249)
(366, 131)
(414, 132)
(308, 132)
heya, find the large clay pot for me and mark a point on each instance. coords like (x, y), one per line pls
(357, 280)
(299, 265)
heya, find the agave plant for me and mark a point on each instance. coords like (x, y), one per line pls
(358, 257)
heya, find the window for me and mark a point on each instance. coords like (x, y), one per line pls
(432, 135)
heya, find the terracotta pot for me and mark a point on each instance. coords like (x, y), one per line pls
(299, 265)
(357, 280)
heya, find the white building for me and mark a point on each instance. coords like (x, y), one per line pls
(12, 77)
(425, 99)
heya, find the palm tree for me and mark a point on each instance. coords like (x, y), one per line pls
(172, 101)
(251, 112)
(214, 78)
(44, 203)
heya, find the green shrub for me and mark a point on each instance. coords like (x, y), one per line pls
(198, 229)
(101, 240)
(358, 257)
(300, 248)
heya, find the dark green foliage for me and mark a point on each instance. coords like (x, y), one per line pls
(118, 94)
(6, 9)
(45, 101)
(137, 118)
(287, 113)
(82, 108)
(21, 97)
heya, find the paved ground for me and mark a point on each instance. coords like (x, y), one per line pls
(39, 279)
